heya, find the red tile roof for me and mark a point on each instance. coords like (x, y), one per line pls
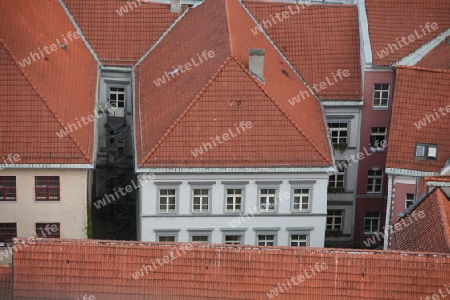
(394, 19)
(6, 283)
(438, 58)
(48, 94)
(430, 233)
(121, 39)
(69, 269)
(318, 40)
(419, 93)
(209, 100)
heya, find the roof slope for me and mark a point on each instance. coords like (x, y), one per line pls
(327, 35)
(120, 32)
(438, 58)
(69, 269)
(6, 282)
(418, 96)
(395, 19)
(215, 96)
(428, 234)
(44, 96)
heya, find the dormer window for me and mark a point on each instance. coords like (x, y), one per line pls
(426, 151)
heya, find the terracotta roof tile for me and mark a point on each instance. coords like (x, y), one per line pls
(121, 39)
(48, 94)
(438, 58)
(6, 283)
(314, 44)
(394, 19)
(69, 269)
(418, 94)
(430, 233)
(219, 93)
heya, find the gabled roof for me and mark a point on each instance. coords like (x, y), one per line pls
(318, 40)
(438, 58)
(42, 97)
(119, 31)
(391, 20)
(188, 111)
(69, 269)
(6, 282)
(419, 94)
(430, 233)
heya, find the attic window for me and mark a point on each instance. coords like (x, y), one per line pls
(426, 151)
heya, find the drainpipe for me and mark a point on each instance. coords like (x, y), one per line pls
(387, 223)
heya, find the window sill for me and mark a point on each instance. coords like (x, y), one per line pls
(380, 108)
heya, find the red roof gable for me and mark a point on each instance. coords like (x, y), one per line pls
(438, 58)
(318, 40)
(120, 32)
(183, 114)
(70, 269)
(418, 96)
(391, 20)
(44, 96)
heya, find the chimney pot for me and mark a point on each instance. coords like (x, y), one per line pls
(175, 6)
(256, 62)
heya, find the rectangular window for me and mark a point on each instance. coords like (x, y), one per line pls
(377, 136)
(334, 220)
(371, 222)
(200, 201)
(426, 151)
(234, 200)
(7, 188)
(167, 200)
(267, 202)
(300, 202)
(299, 240)
(48, 230)
(166, 238)
(117, 97)
(374, 181)
(381, 95)
(409, 200)
(8, 231)
(336, 181)
(338, 133)
(266, 240)
(47, 188)
(233, 239)
(200, 239)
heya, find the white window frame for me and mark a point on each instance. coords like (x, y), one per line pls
(337, 140)
(266, 234)
(377, 102)
(202, 196)
(295, 195)
(372, 182)
(372, 218)
(409, 198)
(227, 234)
(233, 196)
(334, 224)
(163, 232)
(117, 93)
(376, 133)
(167, 211)
(425, 149)
(299, 234)
(276, 200)
(333, 180)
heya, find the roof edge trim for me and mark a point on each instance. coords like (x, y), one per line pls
(408, 172)
(194, 170)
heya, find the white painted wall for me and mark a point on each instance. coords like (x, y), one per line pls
(70, 211)
(217, 219)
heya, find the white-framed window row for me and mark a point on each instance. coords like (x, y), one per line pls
(234, 196)
(167, 195)
(381, 96)
(200, 236)
(268, 193)
(169, 235)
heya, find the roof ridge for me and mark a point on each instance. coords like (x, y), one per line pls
(422, 69)
(188, 108)
(444, 216)
(260, 85)
(49, 107)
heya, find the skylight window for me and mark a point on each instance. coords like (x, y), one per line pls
(426, 151)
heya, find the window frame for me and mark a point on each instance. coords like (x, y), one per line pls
(373, 138)
(338, 129)
(4, 188)
(333, 217)
(6, 238)
(411, 200)
(240, 235)
(276, 195)
(373, 183)
(108, 95)
(293, 195)
(47, 188)
(48, 235)
(380, 98)
(372, 218)
(342, 171)
(275, 238)
(201, 212)
(234, 204)
(158, 202)
(292, 233)
(426, 151)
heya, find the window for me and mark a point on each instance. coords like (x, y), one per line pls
(371, 222)
(233, 239)
(334, 220)
(266, 240)
(409, 200)
(200, 239)
(426, 151)
(166, 238)
(267, 202)
(117, 97)
(234, 200)
(167, 200)
(336, 181)
(338, 133)
(200, 201)
(381, 95)
(7, 188)
(8, 231)
(374, 181)
(300, 201)
(48, 230)
(299, 240)
(47, 188)
(377, 136)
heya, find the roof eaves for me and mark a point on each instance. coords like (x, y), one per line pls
(238, 170)
(408, 172)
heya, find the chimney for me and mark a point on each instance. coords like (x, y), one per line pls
(175, 6)
(256, 62)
